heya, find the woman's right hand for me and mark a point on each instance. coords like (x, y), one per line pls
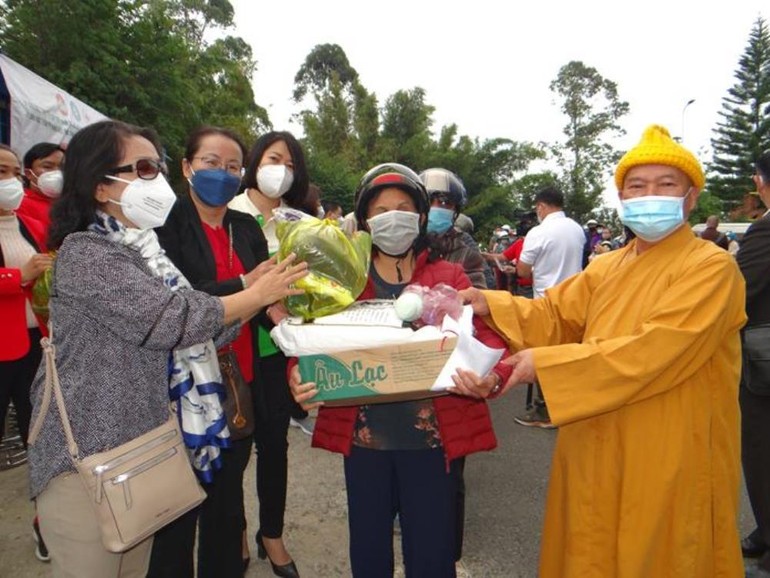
(276, 283)
(35, 267)
(302, 392)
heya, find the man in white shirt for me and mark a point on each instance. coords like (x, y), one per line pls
(553, 251)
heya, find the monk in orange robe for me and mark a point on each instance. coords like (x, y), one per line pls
(639, 359)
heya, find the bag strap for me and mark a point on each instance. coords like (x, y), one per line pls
(52, 385)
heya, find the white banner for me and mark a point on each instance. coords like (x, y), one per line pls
(41, 111)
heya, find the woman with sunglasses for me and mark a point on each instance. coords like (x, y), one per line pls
(276, 176)
(221, 252)
(125, 320)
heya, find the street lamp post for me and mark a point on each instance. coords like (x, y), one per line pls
(688, 103)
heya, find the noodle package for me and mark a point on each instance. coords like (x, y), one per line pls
(338, 264)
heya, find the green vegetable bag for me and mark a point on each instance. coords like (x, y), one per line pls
(41, 292)
(338, 264)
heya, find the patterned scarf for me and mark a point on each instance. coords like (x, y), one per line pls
(195, 383)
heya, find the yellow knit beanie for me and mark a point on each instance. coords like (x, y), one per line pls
(658, 148)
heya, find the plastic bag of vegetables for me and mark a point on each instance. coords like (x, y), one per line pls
(41, 293)
(338, 264)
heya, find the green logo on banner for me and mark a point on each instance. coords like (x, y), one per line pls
(337, 380)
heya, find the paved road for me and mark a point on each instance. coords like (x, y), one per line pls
(506, 490)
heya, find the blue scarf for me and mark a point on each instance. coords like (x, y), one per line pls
(195, 383)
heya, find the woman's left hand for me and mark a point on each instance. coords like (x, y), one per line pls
(470, 384)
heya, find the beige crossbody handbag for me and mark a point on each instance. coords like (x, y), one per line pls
(136, 488)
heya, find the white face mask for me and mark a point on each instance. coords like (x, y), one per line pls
(146, 203)
(50, 184)
(274, 180)
(394, 232)
(11, 194)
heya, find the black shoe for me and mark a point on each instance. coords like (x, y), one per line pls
(41, 552)
(751, 548)
(286, 571)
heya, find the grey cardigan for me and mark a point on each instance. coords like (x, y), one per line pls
(115, 324)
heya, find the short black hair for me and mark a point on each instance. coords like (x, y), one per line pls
(329, 206)
(37, 152)
(193, 144)
(550, 195)
(92, 152)
(296, 196)
(763, 166)
(40, 151)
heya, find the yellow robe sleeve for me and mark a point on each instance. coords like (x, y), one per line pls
(590, 361)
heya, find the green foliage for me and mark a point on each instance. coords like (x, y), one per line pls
(593, 109)
(529, 185)
(708, 204)
(335, 177)
(323, 63)
(406, 120)
(743, 133)
(141, 61)
(344, 137)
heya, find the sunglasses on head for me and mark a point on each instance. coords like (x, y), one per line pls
(145, 169)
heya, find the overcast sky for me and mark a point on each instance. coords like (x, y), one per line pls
(486, 66)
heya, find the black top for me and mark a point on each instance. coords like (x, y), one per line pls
(186, 244)
(754, 261)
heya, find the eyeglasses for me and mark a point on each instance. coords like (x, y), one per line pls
(145, 169)
(213, 162)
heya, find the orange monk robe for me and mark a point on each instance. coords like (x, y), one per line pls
(639, 361)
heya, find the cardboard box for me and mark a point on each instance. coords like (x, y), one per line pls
(377, 375)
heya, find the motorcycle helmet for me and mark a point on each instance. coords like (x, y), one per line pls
(390, 175)
(445, 185)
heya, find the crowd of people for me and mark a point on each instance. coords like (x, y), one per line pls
(629, 340)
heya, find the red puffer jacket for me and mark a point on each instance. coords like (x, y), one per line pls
(464, 423)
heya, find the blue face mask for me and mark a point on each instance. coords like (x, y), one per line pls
(215, 187)
(440, 220)
(653, 218)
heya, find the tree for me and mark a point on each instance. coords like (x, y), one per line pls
(141, 61)
(406, 121)
(344, 137)
(315, 74)
(743, 132)
(593, 109)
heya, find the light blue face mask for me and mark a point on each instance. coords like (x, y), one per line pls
(440, 220)
(654, 217)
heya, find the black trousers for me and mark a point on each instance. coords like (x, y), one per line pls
(755, 450)
(16, 379)
(272, 407)
(414, 484)
(220, 520)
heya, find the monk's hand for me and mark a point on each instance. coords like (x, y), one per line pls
(523, 364)
(470, 384)
(303, 392)
(475, 299)
(276, 312)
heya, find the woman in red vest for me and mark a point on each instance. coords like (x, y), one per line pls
(401, 458)
(22, 260)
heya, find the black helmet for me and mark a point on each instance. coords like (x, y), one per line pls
(390, 175)
(445, 184)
